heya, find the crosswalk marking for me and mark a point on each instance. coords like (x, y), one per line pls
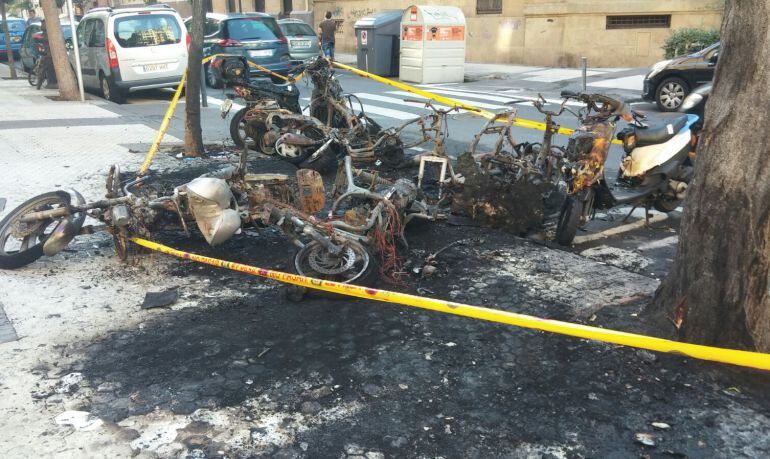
(382, 111)
(394, 100)
(464, 101)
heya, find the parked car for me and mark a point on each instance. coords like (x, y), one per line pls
(29, 52)
(256, 36)
(303, 41)
(131, 49)
(669, 82)
(16, 28)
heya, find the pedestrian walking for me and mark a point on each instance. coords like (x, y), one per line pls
(327, 28)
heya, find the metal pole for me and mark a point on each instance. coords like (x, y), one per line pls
(76, 47)
(204, 97)
(584, 61)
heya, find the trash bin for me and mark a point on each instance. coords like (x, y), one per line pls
(377, 40)
(433, 44)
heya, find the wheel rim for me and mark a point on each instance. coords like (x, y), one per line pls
(313, 260)
(17, 237)
(672, 95)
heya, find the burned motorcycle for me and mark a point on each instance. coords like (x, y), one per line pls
(259, 93)
(654, 172)
(341, 248)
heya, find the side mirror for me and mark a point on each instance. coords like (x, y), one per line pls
(713, 58)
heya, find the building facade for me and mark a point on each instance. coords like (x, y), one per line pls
(617, 33)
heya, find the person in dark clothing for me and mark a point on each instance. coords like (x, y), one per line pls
(327, 28)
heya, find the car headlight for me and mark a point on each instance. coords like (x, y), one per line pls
(658, 67)
(691, 101)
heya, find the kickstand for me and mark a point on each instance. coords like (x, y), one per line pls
(631, 212)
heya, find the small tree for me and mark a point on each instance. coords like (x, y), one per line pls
(68, 86)
(7, 33)
(686, 41)
(193, 135)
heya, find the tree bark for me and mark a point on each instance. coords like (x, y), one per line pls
(717, 290)
(193, 136)
(68, 86)
(7, 33)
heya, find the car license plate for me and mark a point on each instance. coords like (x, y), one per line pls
(301, 43)
(261, 53)
(154, 67)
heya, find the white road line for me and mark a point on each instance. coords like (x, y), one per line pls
(382, 111)
(618, 229)
(464, 101)
(665, 242)
(393, 100)
(219, 102)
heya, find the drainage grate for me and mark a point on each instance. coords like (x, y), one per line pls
(7, 332)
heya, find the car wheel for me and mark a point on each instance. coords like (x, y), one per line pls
(110, 91)
(212, 80)
(670, 94)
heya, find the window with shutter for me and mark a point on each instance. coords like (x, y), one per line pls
(489, 6)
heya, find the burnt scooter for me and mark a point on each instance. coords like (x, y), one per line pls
(654, 172)
(340, 247)
(259, 93)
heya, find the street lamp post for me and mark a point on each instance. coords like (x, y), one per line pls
(76, 48)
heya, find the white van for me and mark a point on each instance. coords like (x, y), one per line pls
(126, 50)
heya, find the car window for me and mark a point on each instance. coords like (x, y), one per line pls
(147, 30)
(97, 35)
(253, 29)
(297, 29)
(84, 32)
(211, 27)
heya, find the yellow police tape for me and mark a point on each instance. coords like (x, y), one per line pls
(743, 358)
(519, 122)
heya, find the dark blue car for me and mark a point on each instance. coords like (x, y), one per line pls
(16, 28)
(255, 36)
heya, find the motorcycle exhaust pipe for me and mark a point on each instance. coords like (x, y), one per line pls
(678, 188)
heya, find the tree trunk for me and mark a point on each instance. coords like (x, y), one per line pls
(68, 86)
(193, 137)
(717, 290)
(8, 49)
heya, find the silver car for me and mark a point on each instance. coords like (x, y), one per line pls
(130, 49)
(303, 41)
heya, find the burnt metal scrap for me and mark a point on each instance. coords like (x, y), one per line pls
(509, 186)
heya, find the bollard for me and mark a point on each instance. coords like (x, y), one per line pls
(204, 97)
(584, 61)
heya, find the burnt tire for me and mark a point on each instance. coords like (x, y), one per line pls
(569, 220)
(665, 204)
(366, 276)
(238, 132)
(20, 258)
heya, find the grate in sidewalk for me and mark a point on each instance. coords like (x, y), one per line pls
(7, 332)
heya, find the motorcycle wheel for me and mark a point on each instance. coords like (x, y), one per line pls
(569, 220)
(354, 266)
(22, 243)
(238, 130)
(32, 77)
